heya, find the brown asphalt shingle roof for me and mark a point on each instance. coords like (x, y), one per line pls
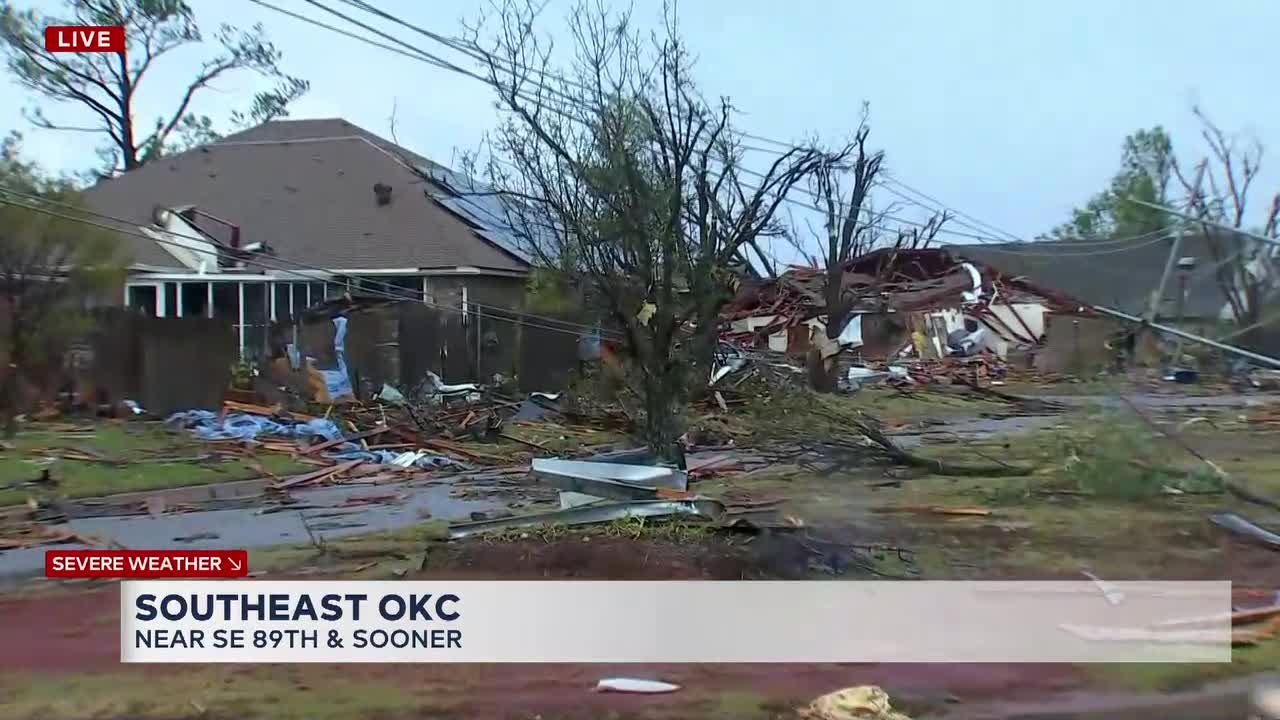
(1120, 275)
(305, 188)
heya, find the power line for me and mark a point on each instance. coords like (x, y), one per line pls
(422, 56)
(474, 52)
(1165, 234)
(430, 59)
(920, 193)
(1192, 218)
(394, 292)
(480, 55)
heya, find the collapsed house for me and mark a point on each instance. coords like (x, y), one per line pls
(1055, 305)
(924, 303)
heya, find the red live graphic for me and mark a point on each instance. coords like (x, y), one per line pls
(146, 563)
(84, 38)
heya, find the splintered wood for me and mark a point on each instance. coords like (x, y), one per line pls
(318, 476)
(35, 535)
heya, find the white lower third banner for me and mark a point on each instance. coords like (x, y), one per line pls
(621, 622)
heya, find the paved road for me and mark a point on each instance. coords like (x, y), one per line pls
(260, 522)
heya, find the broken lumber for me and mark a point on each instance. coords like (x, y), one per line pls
(313, 449)
(449, 447)
(1239, 617)
(251, 408)
(972, 511)
(318, 475)
(527, 443)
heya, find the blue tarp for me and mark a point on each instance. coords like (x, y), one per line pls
(241, 426)
(337, 381)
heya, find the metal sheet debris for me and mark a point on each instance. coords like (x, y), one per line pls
(706, 508)
(608, 480)
(635, 685)
(1239, 525)
(851, 335)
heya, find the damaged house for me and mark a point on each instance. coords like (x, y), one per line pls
(262, 224)
(908, 302)
(1124, 276)
(1041, 300)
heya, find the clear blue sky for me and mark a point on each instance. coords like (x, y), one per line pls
(1011, 110)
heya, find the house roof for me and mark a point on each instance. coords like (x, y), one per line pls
(305, 188)
(1120, 275)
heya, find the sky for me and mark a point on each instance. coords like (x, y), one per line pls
(1012, 111)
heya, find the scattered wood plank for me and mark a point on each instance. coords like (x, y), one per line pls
(251, 408)
(36, 535)
(448, 447)
(1239, 617)
(973, 511)
(1127, 634)
(527, 443)
(318, 475)
(313, 449)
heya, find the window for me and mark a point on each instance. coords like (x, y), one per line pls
(195, 299)
(170, 299)
(336, 287)
(298, 294)
(281, 290)
(407, 287)
(144, 298)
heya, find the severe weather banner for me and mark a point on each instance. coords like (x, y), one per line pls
(569, 621)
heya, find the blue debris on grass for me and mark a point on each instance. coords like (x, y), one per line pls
(207, 425)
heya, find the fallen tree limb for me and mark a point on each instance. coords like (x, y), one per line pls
(1233, 487)
(871, 430)
(1030, 404)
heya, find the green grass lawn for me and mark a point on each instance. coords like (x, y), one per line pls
(281, 693)
(136, 445)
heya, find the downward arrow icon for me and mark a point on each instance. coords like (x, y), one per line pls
(234, 565)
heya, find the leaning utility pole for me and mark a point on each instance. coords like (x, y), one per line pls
(1157, 297)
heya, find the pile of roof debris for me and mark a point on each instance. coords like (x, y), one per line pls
(390, 438)
(923, 303)
(906, 309)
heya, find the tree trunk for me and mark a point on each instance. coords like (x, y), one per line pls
(9, 388)
(823, 373)
(663, 416)
(705, 341)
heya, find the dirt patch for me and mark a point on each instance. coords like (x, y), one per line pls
(61, 633)
(1055, 544)
(760, 557)
(564, 691)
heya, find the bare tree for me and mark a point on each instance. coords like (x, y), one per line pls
(105, 85)
(853, 228)
(1243, 268)
(619, 172)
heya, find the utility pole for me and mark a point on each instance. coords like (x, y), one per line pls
(1185, 266)
(1157, 297)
